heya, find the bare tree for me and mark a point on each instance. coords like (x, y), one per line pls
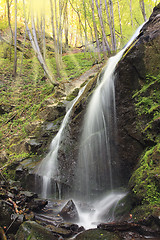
(119, 14)
(95, 30)
(66, 23)
(36, 48)
(55, 41)
(9, 18)
(130, 6)
(102, 26)
(15, 42)
(141, 2)
(113, 25)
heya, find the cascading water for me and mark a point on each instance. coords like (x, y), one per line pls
(48, 168)
(97, 154)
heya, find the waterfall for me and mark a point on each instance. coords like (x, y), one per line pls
(97, 154)
(97, 177)
(48, 168)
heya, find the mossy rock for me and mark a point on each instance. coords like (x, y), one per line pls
(74, 94)
(31, 230)
(144, 211)
(97, 234)
(145, 181)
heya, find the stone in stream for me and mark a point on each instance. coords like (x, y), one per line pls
(69, 212)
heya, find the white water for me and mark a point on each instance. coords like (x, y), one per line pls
(98, 150)
(101, 210)
(48, 168)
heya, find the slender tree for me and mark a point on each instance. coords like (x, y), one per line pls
(102, 26)
(141, 2)
(15, 42)
(66, 24)
(130, 7)
(113, 25)
(36, 48)
(119, 15)
(55, 41)
(9, 18)
(95, 30)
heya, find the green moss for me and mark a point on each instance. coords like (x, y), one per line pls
(72, 95)
(147, 103)
(145, 181)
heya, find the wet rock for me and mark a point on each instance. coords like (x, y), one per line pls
(60, 231)
(70, 226)
(27, 195)
(32, 230)
(37, 204)
(69, 212)
(97, 234)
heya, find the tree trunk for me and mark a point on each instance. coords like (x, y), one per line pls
(9, 19)
(85, 17)
(130, 5)
(110, 23)
(54, 40)
(15, 43)
(95, 31)
(36, 47)
(141, 2)
(113, 26)
(119, 14)
(66, 24)
(44, 39)
(102, 27)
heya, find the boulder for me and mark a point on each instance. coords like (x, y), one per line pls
(52, 112)
(32, 230)
(69, 212)
(37, 204)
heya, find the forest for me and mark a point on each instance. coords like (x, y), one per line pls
(99, 27)
(79, 119)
